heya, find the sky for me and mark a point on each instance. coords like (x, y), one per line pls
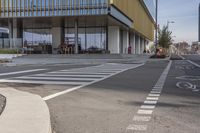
(185, 15)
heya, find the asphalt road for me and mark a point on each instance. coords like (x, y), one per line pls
(157, 97)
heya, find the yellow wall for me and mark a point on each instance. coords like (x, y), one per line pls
(134, 9)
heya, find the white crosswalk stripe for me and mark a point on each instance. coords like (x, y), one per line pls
(78, 76)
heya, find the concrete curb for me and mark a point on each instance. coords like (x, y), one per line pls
(24, 113)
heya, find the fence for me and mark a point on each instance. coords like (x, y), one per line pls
(15, 43)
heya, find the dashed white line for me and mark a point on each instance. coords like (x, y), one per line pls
(141, 118)
(152, 98)
(150, 102)
(137, 127)
(154, 95)
(145, 112)
(147, 106)
(157, 92)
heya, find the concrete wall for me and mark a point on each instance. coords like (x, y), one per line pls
(114, 39)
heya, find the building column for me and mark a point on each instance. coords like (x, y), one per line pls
(142, 45)
(17, 29)
(76, 37)
(114, 39)
(17, 33)
(10, 27)
(125, 41)
(132, 43)
(136, 44)
(139, 45)
(57, 38)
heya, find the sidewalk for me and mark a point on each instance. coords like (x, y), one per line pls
(9, 56)
(77, 59)
(24, 113)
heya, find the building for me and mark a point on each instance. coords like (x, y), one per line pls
(114, 26)
(195, 48)
(183, 47)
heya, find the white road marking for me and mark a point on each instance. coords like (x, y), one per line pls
(183, 58)
(156, 89)
(19, 72)
(197, 65)
(153, 98)
(54, 78)
(141, 118)
(154, 95)
(43, 82)
(145, 112)
(147, 106)
(95, 70)
(186, 85)
(94, 73)
(155, 92)
(137, 127)
(91, 76)
(84, 85)
(150, 102)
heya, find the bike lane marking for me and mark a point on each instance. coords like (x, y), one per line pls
(193, 63)
(144, 114)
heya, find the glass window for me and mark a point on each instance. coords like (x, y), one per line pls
(151, 7)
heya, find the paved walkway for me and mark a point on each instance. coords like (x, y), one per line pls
(24, 113)
(77, 59)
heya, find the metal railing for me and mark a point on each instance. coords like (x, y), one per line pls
(14, 43)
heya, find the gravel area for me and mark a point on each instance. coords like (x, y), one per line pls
(2, 103)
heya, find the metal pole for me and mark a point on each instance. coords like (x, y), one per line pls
(199, 22)
(156, 40)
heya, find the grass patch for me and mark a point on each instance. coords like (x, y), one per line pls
(8, 51)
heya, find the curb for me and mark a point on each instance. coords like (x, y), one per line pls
(24, 113)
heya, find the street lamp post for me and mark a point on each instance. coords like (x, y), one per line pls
(156, 34)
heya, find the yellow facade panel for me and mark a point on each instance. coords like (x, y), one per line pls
(136, 11)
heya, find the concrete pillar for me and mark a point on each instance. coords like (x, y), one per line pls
(132, 43)
(142, 45)
(76, 36)
(139, 45)
(114, 39)
(10, 27)
(17, 29)
(57, 38)
(125, 41)
(136, 44)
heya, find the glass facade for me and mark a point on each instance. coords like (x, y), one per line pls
(151, 7)
(26, 8)
(39, 39)
(90, 38)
